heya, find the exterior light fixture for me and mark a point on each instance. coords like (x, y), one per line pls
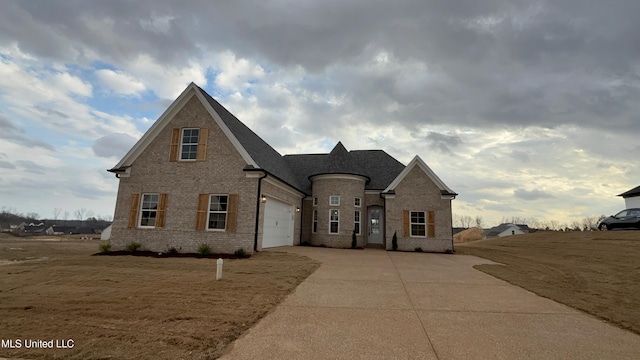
(297, 209)
(263, 199)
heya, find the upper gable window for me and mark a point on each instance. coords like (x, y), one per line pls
(357, 202)
(334, 200)
(189, 144)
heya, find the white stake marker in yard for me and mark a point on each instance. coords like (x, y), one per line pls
(219, 270)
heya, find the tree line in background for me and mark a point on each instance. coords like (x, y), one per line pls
(586, 224)
(11, 215)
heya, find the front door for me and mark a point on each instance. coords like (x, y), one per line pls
(376, 226)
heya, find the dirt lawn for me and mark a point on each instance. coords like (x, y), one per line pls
(596, 272)
(127, 307)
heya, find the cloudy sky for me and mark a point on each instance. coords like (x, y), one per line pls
(525, 108)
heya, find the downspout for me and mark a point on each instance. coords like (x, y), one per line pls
(384, 219)
(301, 220)
(452, 247)
(255, 237)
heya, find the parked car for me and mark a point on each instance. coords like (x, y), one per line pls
(629, 218)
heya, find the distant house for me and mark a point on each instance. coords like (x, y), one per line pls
(631, 198)
(33, 229)
(506, 229)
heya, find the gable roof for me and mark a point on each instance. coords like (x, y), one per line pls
(377, 166)
(444, 189)
(631, 193)
(496, 230)
(255, 151)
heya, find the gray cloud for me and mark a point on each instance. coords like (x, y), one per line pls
(534, 194)
(443, 142)
(113, 145)
(51, 112)
(31, 167)
(501, 62)
(6, 165)
(10, 132)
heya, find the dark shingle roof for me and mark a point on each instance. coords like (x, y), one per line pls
(631, 193)
(338, 161)
(262, 153)
(378, 166)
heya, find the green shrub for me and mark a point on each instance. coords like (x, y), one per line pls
(133, 247)
(240, 253)
(354, 240)
(394, 241)
(104, 248)
(418, 249)
(204, 249)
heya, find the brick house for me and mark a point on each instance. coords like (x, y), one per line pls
(200, 176)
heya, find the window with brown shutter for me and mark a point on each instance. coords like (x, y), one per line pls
(133, 210)
(162, 206)
(232, 213)
(202, 144)
(175, 145)
(405, 223)
(203, 207)
(431, 225)
(217, 212)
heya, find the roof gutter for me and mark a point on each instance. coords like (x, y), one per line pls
(119, 171)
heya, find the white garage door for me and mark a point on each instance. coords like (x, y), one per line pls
(278, 224)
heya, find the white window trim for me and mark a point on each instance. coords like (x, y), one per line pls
(357, 205)
(331, 196)
(412, 223)
(359, 222)
(182, 143)
(141, 210)
(314, 222)
(330, 221)
(226, 213)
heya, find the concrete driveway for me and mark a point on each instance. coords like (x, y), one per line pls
(374, 304)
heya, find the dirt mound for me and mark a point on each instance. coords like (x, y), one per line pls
(468, 235)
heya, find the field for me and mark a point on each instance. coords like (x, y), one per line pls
(128, 307)
(596, 272)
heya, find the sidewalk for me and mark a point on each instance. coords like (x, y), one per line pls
(374, 304)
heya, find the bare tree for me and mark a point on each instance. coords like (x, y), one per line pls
(80, 213)
(478, 221)
(32, 215)
(89, 214)
(66, 215)
(590, 223)
(56, 213)
(554, 225)
(466, 221)
(576, 225)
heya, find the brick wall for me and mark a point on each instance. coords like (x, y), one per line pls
(347, 188)
(418, 193)
(220, 173)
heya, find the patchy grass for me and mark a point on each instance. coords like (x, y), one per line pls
(596, 272)
(130, 307)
